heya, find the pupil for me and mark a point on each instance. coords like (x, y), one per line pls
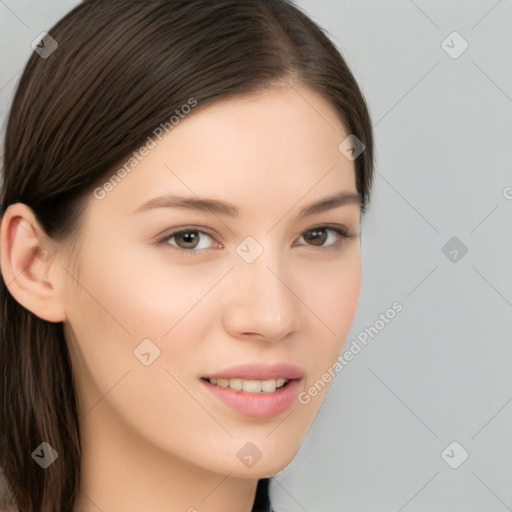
(315, 234)
(188, 237)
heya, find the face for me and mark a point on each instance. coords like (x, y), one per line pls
(169, 295)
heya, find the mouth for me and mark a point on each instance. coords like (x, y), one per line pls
(249, 385)
(256, 390)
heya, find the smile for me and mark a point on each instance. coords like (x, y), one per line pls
(250, 386)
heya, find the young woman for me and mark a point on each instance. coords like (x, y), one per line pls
(183, 182)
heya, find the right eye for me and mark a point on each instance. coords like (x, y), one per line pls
(187, 240)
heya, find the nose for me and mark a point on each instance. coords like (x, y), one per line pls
(261, 303)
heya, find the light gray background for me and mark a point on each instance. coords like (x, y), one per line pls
(440, 370)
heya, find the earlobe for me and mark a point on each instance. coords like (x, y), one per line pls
(27, 255)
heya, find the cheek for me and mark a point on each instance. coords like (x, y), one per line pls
(333, 306)
(165, 303)
(332, 295)
(120, 305)
(144, 297)
(171, 305)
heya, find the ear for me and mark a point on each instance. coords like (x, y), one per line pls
(27, 255)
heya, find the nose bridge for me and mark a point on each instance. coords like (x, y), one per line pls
(261, 277)
(261, 302)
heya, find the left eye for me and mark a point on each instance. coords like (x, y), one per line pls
(189, 240)
(320, 234)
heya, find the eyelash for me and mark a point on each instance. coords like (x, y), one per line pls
(344, 233)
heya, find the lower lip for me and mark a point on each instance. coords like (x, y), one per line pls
(257, 405)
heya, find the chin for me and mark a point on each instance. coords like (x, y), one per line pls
(269, 465)
(278, 467)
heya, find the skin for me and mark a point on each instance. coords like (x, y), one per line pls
(153, 437)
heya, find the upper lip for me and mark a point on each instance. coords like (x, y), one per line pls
(286, 370)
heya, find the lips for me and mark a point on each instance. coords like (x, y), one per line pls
(261, 372)
(259, 391)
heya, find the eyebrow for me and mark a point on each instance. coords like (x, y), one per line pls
(228, 209)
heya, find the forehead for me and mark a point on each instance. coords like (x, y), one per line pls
(265, 149)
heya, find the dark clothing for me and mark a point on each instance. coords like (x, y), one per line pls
(262, 501)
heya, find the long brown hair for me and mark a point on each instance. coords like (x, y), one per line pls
(122, 68)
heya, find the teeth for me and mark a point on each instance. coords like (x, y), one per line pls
(251, 386)
(236, 384)
(268, 386)
(223, 383)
